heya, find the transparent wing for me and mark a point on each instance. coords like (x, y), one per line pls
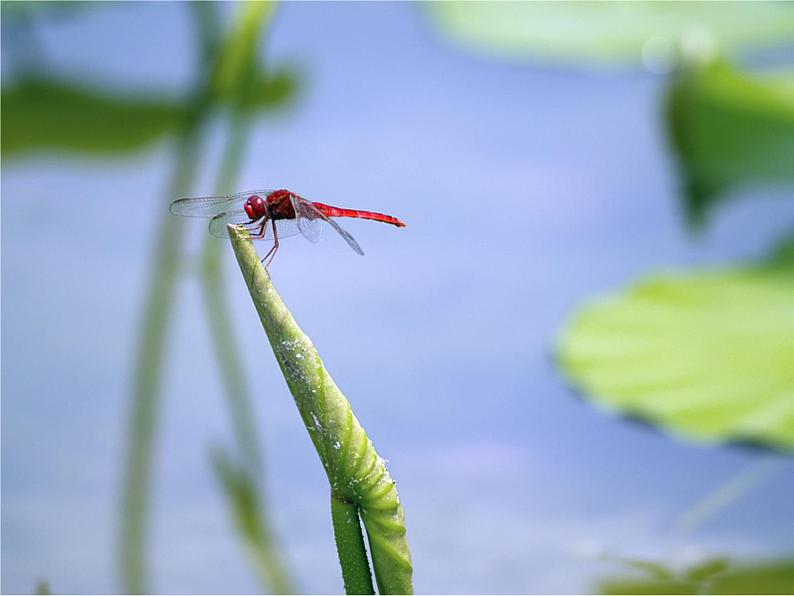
(202, 206)
(237, 217)
(212, 206)
(287, 228)
(308, 218)
(343, 233)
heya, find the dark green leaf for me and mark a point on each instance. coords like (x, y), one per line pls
(647, 586)
(706, 569)
(271, 91)
(722, 577)
(56, 115)
(769, 578)
(730, 130)
(651, 569)
(783, 256)
(47, 8)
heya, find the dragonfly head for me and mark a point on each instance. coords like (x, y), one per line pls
(255, 207)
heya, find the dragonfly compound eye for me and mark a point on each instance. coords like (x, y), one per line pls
(254, 207)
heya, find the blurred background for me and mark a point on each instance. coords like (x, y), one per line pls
(544, 156)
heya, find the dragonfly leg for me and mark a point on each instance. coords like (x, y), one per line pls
(260, 234)
(272, 252)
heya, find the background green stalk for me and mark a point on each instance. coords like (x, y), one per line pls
(241, 483)
(149, 359)
(149, 363)
(727, 494)
(245, 504)
(227, 73)
(235, 75)
(223, 341)
(360, 484)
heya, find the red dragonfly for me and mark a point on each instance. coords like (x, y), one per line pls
(282, 210)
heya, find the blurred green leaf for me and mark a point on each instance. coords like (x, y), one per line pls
(271, 91)
(45, 8)
(236, 66)
(768, 578)
(237, 76)
(714, 576)
(43, 587)
(706, 569)
(242, 494)
(708, 356)
(783, 256)
(648, 586)
(730, 130)
(651, 569)
(58, 115)
(604, 33)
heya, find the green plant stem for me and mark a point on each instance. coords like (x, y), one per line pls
(235, 68)
(245, 502)
(727, 494)
(356, 473)
(234, 71)
(249, 513)
(148, 367)
(350, 545)
(223, 340)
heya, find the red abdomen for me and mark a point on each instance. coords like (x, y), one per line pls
(332, 211)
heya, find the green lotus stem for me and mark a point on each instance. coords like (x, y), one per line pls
(241, 483)
(43, 587)
(224, 342)
(149, 358)
(350, 546)
(245, 496)
(150, 350)
(245, 501)
(357, 475)
(727, 494)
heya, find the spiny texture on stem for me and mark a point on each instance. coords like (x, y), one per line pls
(356, 473)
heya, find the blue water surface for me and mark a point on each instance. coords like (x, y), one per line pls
(527, 190)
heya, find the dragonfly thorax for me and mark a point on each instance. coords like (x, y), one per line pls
(255, 207)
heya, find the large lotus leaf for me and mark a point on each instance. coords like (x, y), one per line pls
(707, 356)
(730, 130)
(715, 576)
(47, 114)
(608, 32)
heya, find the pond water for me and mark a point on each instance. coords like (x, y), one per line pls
(527, 191)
